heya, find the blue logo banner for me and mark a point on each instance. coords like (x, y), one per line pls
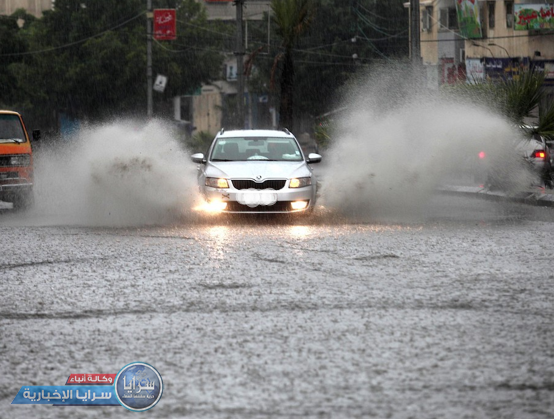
(81, 395)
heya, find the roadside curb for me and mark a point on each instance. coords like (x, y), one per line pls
(538, 196)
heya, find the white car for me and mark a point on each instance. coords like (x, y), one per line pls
(257, 171)
(536, 152)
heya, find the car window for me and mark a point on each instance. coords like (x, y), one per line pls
(256, 149)
(10, 128)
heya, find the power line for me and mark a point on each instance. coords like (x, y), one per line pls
(327, 63)
(375, 14)
(492, 37)
(327, 45)
(324, 63)
(371, 24)
(73, 43)
(223, 34)
(188, 48)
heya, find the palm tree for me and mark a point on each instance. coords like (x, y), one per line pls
(292, 18)
(517, 99)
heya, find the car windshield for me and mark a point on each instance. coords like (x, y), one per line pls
(11, 129)
(256, 149)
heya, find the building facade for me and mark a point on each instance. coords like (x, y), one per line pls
(226, 10)
(33, 7)
(484, 39)
(207, 109)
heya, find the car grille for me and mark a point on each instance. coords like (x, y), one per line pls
(9, 175)
(275, 184)
(279, 206)
(5, 161)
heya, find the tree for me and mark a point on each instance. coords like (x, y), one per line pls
(344, 39)
(11, 49)
(517, 98)
(87, 59)
(292, 17)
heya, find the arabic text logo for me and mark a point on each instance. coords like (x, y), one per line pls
(138, 386)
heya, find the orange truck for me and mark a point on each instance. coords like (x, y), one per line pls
(16, 160)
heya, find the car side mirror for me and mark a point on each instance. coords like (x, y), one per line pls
(36, 135)
(313, 158)
(198, 158)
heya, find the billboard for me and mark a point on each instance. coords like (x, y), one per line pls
(533, 17)
(505, 68)
(165, 24)
(469, 20)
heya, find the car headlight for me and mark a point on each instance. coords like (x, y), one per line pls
(216, 182)
(20, 160)
(300, 182)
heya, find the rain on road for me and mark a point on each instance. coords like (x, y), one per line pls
(324, 317)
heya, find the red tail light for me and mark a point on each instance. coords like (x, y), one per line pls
(538, 154)
(482, 155)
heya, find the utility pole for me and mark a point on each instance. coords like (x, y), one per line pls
(149, 17)
(240, 65)
(415, 46)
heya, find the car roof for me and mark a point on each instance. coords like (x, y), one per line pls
(254, 133)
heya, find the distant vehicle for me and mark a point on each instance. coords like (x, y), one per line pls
(257, 171)
(536, 150)
(539, 154)
(16, 160)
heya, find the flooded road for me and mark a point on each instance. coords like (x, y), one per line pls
(447, 317)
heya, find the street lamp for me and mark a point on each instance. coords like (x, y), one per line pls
(475, 44)
(492, 44)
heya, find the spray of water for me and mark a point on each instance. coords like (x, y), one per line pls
(398, 142)
(394, 146)
(115, 174)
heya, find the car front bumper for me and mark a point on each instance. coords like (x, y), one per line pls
(15, 187)
(262, 201)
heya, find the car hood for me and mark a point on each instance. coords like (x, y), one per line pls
(253, 169)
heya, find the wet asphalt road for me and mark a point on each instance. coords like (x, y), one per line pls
(327, 317)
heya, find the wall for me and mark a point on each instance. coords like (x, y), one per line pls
(33, 7)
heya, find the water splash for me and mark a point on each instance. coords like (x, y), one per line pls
(398, 142)
(115, 174)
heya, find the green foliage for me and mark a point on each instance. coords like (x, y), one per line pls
(11, 43)
(200, 142)
(324, 55)
(517, 99)
(522, 95)
(322, 135)
(87, 59)
(546, 122)
(293, 18)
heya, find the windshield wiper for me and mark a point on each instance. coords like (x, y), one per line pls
(222, 160)
(14, 140)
